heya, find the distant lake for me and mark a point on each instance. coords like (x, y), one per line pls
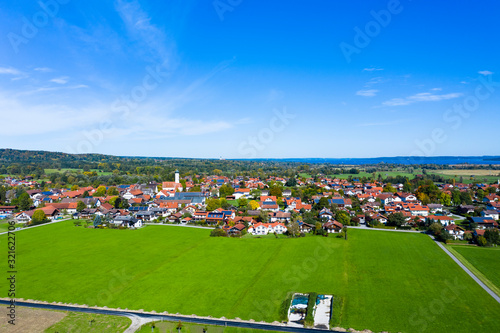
(408, 160)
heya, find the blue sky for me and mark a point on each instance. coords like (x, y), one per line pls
(245, 79)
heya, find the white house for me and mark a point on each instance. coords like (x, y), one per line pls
(266, 228)
(455, 231)
(490, 213)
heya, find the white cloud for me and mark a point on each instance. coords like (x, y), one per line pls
(385, 123)
(485, 73)
(371, 69)
(421, 97)
(437, 89)
(14, 72)
(46, 89)
(60, 80)
(43, 69)
(367, 93)
(10, 71)
(374, 81)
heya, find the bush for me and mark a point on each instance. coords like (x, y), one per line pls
(218, 233)
(285, 305)
(38, 217)
(337, 309)
(309, 320)
(481, 241)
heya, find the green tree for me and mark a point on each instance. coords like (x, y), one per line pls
(396, 219)
(445, 199)
(492, 235)
(113, 191)
(242, 202)
(466, 198)
(435, 228)
(481, 241)
(390, 188)
(224, 204)
(24, 201)
(276, 191)
(407, 187)
(212, 204)
(80, 206)
(101, 191)
(124, 204)
(225, 190)
(3, 194)
(480, 195)
(322, 203)
(318, 228)
(293, 229)
(457, 199)
(343, 217)
(85, 194)
(38, 217)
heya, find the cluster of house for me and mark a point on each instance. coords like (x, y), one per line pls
(173, 202)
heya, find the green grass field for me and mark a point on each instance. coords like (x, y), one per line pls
(486, 260)
(80, 322)
(466, 178)
(389, 281)
(50, 171)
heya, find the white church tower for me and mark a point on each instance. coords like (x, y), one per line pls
(177, 176)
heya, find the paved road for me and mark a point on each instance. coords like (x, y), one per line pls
(393, 230)
(36, 226)
(138, 318)
(180, 225)
(488, 290)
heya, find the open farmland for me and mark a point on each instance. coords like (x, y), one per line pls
(389, 281)
(469, 176)
(485, 260)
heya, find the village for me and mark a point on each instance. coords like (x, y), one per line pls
(259, 207)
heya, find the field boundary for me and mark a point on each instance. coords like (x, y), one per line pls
(474, 270)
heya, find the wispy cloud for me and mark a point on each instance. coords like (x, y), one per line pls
(17, 74)
(384, 123)
(60, 80)
(374, 81)
(367, 93)
(372, 69)
(43, 69)
(421, 97)
(47, 89)
(485, 73)
(139, 26)
(437, 89)
(10, 71)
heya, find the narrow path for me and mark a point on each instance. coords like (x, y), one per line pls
(379, 229)
(137, 323)
(180, 225)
